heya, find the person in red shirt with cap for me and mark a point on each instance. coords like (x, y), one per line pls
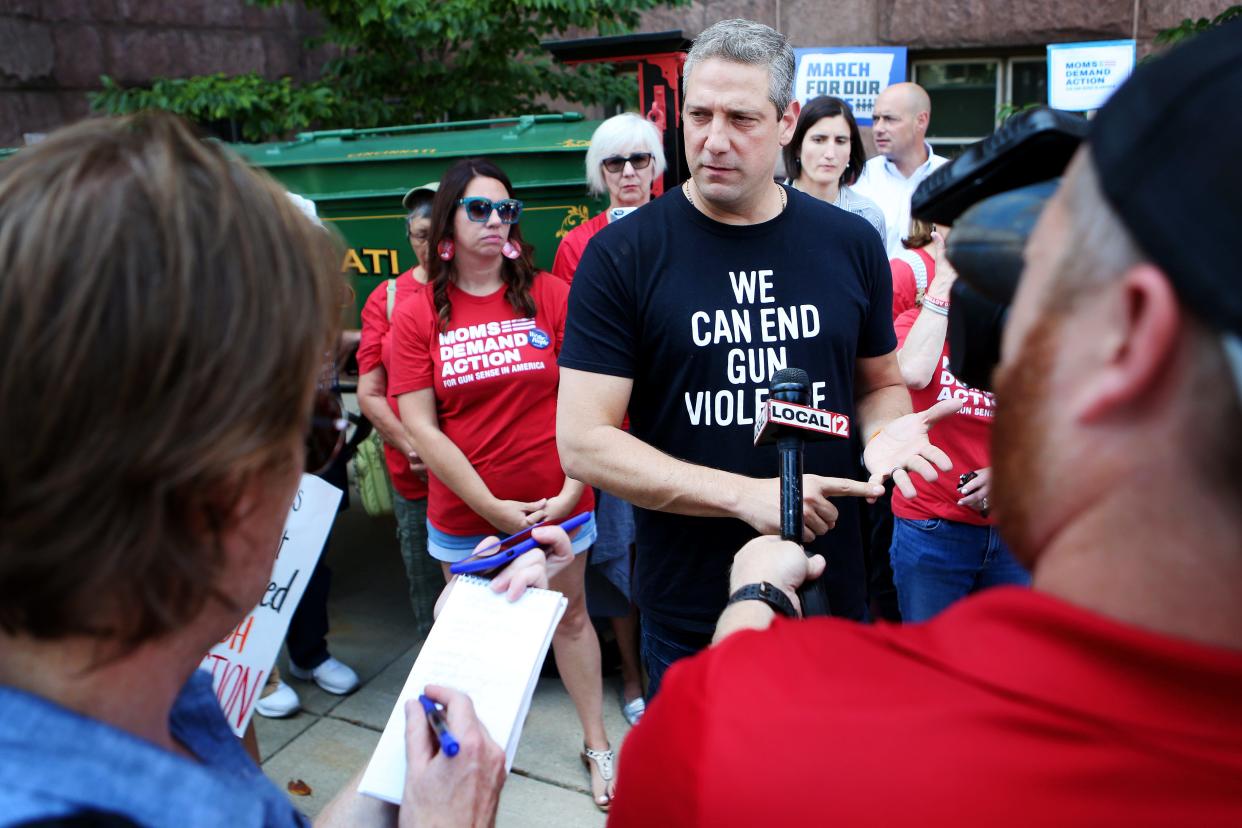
(405, 468)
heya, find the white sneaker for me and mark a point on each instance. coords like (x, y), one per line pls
(280, 703)
(332, 676)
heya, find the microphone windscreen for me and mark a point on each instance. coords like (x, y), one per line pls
(791, 376)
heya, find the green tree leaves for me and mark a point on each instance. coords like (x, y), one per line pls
(409, 61)
(1189, 28)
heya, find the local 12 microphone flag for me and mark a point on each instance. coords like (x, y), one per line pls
(241, 663)
(775, 414)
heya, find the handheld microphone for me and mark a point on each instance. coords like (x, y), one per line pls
(787, 420)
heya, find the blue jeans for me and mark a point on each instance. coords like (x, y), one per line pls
(936, 562)
(660, 645)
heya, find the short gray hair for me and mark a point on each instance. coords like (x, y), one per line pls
(1098, 248)
(614, 135)
(753, 44)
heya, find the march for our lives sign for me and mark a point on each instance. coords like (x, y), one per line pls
(856, 74)
(1081, 76)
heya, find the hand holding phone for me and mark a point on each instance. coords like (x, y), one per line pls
(505, 550)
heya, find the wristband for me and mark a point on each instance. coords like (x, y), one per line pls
(932, 300)
(940, 310)
(768, 594)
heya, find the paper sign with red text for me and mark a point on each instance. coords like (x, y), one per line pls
(241, 662)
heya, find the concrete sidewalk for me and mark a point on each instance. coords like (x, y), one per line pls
(372, 630)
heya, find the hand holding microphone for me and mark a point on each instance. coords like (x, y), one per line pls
(786, 420)
(784, 564)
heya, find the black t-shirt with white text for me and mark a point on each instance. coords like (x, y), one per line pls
(700, 315)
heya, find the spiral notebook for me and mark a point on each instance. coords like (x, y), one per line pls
(486, 647)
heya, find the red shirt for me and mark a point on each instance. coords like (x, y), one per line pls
(495, 379)
(375, 351)
(1009, 708)
(905, 288)
(964, 437)
(570, 250)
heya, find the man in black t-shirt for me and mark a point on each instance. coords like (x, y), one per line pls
(681, 313)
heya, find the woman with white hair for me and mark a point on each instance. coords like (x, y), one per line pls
(624, 160)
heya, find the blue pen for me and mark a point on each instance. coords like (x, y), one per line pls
(488, 558)
(435, 718)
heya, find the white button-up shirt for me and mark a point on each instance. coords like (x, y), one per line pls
(884, 184)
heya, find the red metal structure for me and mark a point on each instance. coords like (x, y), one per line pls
(659, 57)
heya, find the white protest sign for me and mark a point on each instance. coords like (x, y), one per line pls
(241, 662)
(856, 74)
(1082, 76)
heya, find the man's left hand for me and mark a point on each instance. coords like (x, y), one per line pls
(902, 447)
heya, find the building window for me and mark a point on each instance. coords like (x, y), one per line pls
(967, 94)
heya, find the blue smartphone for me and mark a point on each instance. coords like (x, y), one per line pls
(505, 550)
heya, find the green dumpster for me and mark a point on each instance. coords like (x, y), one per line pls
(357, 178)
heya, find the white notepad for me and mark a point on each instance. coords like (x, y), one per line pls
(486, 647)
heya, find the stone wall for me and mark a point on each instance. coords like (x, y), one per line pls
(52, 52)
(946, 24)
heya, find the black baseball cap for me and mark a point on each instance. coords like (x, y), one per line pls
(1167, 148)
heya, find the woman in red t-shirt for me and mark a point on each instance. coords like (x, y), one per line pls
(944, 544)
(475, 376)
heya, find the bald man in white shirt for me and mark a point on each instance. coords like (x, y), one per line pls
(900, 118)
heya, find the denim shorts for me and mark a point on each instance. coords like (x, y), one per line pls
(453, 548)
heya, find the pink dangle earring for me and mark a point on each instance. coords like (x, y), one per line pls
(511, 251)
(445, 249)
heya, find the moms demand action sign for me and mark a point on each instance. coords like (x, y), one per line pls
(1081, 76)
(856, 74)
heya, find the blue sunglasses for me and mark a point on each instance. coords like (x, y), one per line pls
(480, 209)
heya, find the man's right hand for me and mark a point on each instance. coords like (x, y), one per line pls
(461, 790)
(782, 563)
(761, 505)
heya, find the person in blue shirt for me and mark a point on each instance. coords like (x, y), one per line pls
(157, 381)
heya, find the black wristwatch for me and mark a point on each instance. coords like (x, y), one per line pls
(773, 596)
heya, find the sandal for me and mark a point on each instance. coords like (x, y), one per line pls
(602, 760)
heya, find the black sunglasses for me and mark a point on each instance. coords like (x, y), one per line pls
(327, 431)
(616, 163)
(480, 209)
